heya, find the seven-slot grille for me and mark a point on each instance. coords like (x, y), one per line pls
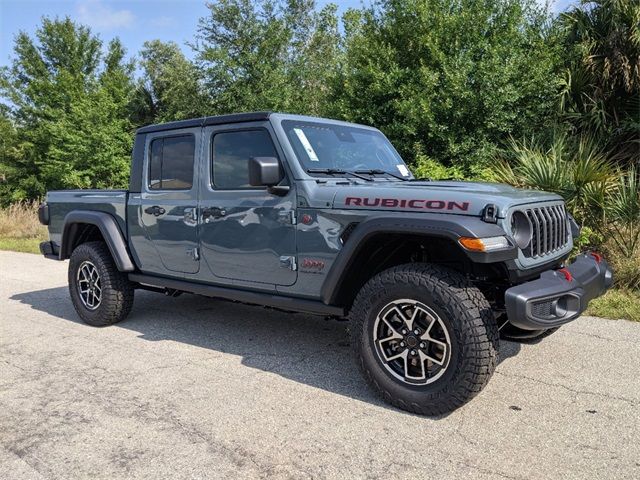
(549, 230)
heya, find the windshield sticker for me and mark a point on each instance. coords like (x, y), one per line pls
(307, 146)
(404, 171)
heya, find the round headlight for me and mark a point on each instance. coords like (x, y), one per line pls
(521, 229)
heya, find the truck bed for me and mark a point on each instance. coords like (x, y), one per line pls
(61, 202)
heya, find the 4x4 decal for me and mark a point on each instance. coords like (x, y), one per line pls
(415, 203)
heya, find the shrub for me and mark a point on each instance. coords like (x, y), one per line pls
(426, 167)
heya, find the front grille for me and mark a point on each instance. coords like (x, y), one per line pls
(550, 232)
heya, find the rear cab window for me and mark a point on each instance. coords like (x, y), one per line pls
(171, 163)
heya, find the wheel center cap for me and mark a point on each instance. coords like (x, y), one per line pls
(412, 341)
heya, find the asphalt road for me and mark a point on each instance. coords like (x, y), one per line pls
(191, 387)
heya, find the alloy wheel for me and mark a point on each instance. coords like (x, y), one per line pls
(89, 287)
(412, 342)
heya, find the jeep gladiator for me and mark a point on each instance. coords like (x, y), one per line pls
(320, 216)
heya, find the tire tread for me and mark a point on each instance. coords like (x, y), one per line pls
(117, 290)
(462, 301)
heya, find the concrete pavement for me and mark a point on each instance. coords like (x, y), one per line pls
(191, 387)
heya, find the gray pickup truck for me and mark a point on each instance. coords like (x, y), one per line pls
(320, 216)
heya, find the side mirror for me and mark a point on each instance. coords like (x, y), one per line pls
(264, 171)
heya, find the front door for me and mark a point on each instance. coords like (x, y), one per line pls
(247, 234)
(168, 206)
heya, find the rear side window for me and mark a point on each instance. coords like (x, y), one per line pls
(231, 152)
(171, 163)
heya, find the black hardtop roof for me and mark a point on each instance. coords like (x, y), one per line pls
(202, 121)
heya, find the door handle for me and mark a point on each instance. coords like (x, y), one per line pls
(213, 212)
(155, 210)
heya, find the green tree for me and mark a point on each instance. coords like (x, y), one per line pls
(449, 79)
(69, 103)
(267, 54)
(601, 87)
(170, 87)
(9, 153)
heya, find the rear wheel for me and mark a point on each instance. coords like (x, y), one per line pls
(424, 337)
(100, 293)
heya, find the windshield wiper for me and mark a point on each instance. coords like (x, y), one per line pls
(377, 171)
(337, 171)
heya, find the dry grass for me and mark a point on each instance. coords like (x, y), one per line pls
(626, 269)
(20, 229)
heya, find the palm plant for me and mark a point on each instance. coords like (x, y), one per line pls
(578, 170)
(600, 92)
(623, 213)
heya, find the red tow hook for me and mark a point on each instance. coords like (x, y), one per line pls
(567, 274)
(596, 256)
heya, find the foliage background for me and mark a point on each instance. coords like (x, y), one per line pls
(498, 90)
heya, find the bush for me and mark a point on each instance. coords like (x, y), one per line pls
(454, 77)
(425, 167)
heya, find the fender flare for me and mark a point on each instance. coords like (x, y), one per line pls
(108, 228)
(451, 227)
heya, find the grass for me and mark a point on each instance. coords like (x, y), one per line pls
(20, 230)
(617, 303)
(25, 245)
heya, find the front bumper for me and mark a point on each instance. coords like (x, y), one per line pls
(558, 296)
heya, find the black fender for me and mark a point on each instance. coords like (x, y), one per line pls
(429, 225)
(108, 228)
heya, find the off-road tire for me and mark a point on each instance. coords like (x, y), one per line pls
(117, 290)
(471, 326)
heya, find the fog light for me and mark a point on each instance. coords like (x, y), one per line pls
(560, 307)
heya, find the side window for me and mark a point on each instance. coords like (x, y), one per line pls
(171, 163)
(231, 152)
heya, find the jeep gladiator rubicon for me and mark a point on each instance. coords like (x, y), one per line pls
(320, 216)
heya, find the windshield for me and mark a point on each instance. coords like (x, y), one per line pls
(323, 146)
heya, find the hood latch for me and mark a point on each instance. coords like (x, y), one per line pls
(490, 213)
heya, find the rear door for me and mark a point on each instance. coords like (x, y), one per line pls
(247, 234)
(168, 209)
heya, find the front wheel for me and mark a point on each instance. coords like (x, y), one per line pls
(424, 337)
(100, 293)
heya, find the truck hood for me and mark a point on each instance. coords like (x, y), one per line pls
(453, 197)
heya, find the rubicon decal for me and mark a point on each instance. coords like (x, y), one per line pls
(312, 264)
(398, 203)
